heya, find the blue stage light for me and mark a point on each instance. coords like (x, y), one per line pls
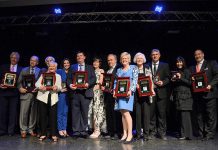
(57, 11)
(158, 9)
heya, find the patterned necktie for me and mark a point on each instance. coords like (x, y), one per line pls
(32, 71)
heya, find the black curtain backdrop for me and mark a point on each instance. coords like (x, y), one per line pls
(60, 41)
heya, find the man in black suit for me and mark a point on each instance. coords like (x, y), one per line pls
(80, 98)
(160, 72)
(205, 102)
(9, 98)
(113, 118)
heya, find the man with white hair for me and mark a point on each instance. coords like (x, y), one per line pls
(9, 97)
(28, 107)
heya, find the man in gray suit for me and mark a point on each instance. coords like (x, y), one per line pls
(28, 107)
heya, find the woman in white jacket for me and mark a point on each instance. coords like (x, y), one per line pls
(48, 104)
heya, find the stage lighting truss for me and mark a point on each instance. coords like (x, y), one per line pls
(111, 17)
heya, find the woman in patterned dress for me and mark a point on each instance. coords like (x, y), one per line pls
(125, 104)
(97, 106)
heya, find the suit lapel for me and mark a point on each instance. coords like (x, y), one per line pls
(86, 68)
(158, 68)
(204, 65)
(37, 72)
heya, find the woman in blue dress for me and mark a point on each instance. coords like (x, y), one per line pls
(125, 104)
(62, 112)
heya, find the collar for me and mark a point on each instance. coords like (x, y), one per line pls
(157, 63)
(83, 64)
(13, 65)
(201, 62)
(113, 66)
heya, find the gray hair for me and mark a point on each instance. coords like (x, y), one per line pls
(16, 54)
(155, 50)
(115, 56)
(36, 57)
(125, 54)
(52, 58)
(138, 55)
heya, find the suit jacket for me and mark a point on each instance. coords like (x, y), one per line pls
(163, 71)
(26, 71)
(211, 70)
(9, 91)
(91, 80)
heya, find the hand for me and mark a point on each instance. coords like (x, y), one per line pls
(159, 83)
(86, 85)
(97, 87)
(35, 90)
(137, 86)
(64, 90)
(55, 88)
(102, 88)
(209, 87)
(193, 79)
(114, 95)
(2, 86)
(22, 90)
(129, 94)
(42, 88)
(173, 78)
(153, 93)
(178, 75)
(73, 87)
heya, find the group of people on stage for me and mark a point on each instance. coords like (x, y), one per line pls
(46, 113)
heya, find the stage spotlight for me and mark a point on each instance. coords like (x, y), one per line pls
(158, 9)
(57, 11)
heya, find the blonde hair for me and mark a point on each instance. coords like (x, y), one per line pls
(138, 55)
(16, 54)
(125, 54)
(52, 58)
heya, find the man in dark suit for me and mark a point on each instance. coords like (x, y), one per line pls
(28, 105)
(80, 98)
(205, 102)
(113, 118)
(160, 72)
(9, 98)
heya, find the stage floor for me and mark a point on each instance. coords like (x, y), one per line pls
(30, 143)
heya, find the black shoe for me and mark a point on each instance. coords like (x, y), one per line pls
(207, 138)
(182, 138)
(137, 138)
(163, 137)
(121, 141)
(151, 137)
(128, 142)
(115, 137)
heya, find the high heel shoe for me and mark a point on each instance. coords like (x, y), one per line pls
(42, 138)
(122, 140)
(129, 142)
(95, 134)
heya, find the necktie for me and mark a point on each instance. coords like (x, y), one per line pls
(32, 71)
(198, 68)
(12, 68)
(155, 69)
(80, 67)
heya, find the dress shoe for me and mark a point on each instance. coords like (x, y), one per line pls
(128, 142)
(182, 138)
(151, 137)
(114, 137)
(11, 134)
(207, 138)
(23, 134)
(122, 140)
(163, 137)
(33, 134)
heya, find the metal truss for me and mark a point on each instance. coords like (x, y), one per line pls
(111, 17)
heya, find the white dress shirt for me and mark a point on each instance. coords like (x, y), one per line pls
(82, 67)
(111, 69)
(43, 95)
(157, 64)
(200, 64)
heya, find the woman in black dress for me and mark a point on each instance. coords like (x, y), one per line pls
(183, 97)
